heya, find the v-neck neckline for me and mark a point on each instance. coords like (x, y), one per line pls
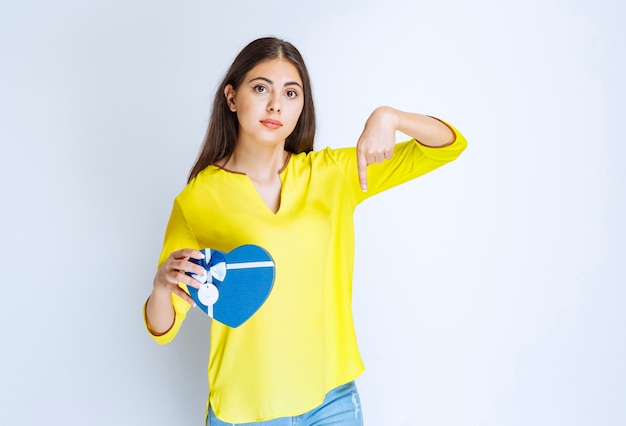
(258, 195)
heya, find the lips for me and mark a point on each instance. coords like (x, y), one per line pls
(272, 124)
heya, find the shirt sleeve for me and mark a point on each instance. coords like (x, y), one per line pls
(178, 235)
(409, 161)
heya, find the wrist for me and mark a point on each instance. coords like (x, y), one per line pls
(159, 290)
(388, 115)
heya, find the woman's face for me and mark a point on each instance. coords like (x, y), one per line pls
(268, 103)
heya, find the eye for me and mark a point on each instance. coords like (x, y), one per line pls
(260, 88)
(292, 94)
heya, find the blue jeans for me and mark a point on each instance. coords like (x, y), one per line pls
(341, 407)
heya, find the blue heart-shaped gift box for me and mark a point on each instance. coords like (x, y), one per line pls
(236, 285)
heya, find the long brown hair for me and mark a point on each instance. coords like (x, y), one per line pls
(221, 135)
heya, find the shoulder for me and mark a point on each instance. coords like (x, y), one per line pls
(326, 157)
(207, 178)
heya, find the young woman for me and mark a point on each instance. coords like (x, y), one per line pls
(258, 181)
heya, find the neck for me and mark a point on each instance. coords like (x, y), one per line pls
(258, 162)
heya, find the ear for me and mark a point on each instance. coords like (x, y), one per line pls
(229, 93)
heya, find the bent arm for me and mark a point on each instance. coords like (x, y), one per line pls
(426, 130)
(378, 139)
(168, 303)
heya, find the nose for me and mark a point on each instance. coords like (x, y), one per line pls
(274, 104)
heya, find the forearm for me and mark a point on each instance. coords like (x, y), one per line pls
(159, 311)
(426, 130)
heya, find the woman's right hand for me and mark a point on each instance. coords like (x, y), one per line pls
(173, 271)
(159, 310)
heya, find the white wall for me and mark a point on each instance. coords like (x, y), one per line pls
(490, 292)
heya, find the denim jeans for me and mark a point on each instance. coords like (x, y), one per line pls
(341, 407)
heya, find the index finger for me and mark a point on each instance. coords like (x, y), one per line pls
(188, 253)
(361, 162)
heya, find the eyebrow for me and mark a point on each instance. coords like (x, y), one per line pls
(289, 83)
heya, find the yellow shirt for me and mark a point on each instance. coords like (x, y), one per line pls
(301, 343)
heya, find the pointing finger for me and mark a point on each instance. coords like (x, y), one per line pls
(361, 162)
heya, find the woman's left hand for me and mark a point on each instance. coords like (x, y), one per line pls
(377, 141)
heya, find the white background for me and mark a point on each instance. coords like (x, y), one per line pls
(490, 292)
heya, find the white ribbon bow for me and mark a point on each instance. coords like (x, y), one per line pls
(218, 271)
